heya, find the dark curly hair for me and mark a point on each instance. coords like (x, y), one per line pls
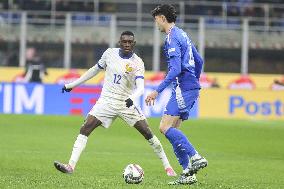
(167, 10)
(127, 33)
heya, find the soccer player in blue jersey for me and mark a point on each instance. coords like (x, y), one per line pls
(184, 68)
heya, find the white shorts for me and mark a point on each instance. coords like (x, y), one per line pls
(107, 112)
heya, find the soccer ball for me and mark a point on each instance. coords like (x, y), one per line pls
(133, 174)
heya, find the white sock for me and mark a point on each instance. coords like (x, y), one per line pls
(78, 147)
(196, 156)
(158, 149)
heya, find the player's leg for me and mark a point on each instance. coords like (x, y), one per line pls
(89, 125)
(168, 126)
(101, 114)
(186, 101)
(197, 161)
(134, 117)
(144, 129)
(177, 124)
(154, 142)
(181, 146)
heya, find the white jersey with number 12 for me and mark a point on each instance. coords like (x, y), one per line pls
(120, 74)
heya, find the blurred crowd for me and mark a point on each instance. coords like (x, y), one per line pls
(233, 7)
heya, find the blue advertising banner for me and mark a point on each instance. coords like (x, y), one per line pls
(19, 98)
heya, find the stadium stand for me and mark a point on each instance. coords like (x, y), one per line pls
(223, 19)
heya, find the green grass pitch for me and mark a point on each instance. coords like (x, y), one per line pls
(241, 154)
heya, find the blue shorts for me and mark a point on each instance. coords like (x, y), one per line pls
(181, 103)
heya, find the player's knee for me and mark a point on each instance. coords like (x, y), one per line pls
(85, 130)
(164, 128)
(89, 126)
(161, 129)
(177, 123)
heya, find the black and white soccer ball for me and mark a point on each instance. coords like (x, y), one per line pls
(133, 174)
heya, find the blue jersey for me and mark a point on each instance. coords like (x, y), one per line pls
(184, 62)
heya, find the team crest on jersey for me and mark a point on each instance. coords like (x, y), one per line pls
(128, 69)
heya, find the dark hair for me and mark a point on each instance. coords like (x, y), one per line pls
(167, 10)
(127, 33)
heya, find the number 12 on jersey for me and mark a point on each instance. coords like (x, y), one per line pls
(117, 78)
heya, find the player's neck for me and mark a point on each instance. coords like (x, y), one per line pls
(125, 55)
(169, 27)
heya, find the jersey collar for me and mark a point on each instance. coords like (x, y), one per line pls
(168, 36)
(125, 56)
(171, 29)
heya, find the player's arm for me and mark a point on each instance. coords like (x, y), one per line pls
(198, 62)
(93, 71)
(85, 77)
(174, 53)
(174, 71)
(139, 80)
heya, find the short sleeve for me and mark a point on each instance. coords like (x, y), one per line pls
(102, 63)
(140, 70)
(173, 47)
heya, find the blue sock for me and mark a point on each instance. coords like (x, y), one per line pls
(182, 147)
(181, 156)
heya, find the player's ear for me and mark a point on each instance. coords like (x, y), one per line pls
(163, 18)
(134, 43)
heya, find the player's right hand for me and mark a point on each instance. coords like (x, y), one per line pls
(129, 102)
(64, 89)
(150, 100)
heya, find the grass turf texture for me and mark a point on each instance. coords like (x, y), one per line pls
(241, 154)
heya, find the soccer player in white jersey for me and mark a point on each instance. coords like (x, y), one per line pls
(124, 71)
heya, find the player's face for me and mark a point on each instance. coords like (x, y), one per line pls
(160, 22)
(127, 43)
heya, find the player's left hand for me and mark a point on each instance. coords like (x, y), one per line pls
(129, 102)
(150, 100)
(64, 89)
